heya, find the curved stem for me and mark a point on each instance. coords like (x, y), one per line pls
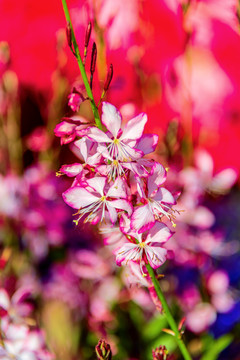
(169, 316)
(82, 68)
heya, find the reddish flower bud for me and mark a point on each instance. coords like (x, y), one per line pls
(88, 34)
(161, 353)
(93, 58)
(109, 78)
(69, 35)
(103, 351)
(75, 100)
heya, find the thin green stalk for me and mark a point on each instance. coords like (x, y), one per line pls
(82, 68)
(168, 314)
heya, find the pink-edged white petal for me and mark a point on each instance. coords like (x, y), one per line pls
(118, 189)
(135, 275)
(159, 233)
(112, 212)
(164, 195)
(140, 187)
(104, 169)
(147, 143)
(64, 128)
(157, 177)
(111, 118)
(97, 183)
(127, 252)
(71, 170)
(124, 224)
(135, 168)
(134, 128)
(223, 181)
(98, 135)
(146, 162)
(156, 255)
(122, 204)
(78, 197)
(127, 153)
(81, 148)
(142, 219)
(94, 159)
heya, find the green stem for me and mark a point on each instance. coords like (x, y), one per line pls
(82, 68)
(169, 316)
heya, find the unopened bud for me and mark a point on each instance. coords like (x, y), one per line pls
(88, 34)
(103, 351)
(160, 353)
(93, 58)
(69, 34)
(109, 78)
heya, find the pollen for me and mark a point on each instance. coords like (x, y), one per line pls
(116, 141)
(103, 198)
(142, 245)
(115, 162)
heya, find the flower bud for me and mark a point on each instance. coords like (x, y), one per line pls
(109, 78)
(69, 34)
(75, 99)
(160, 353)
(103, 351)
(93, 58)
(88, 34)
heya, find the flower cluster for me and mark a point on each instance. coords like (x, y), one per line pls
(19, 340)
(116, 186)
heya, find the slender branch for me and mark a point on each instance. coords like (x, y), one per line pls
(169, 316)
(82, 68)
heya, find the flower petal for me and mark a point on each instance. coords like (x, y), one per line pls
(127, 252)
(97, 183)
(223, 181)
(147, 143)
(134, 128)
(122, 205)
(204, 162)
(98, 135)
(157, 177)
(159, 233)
(112, 212)
(64, 128)
(71, 170)
(118, 189)
(111, 118)
(78, 197)
(156, 255)
(135, 168)
(142, 219)
(164, 195)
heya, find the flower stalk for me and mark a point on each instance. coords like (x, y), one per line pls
(82, 68)
(168, 314)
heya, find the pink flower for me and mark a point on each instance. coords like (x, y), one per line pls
(151, 247)
(118, 143)
(75, 100)
(112, 15)
(114, 168)
(201, 317)
(200, 179)
(157, 201)
(71, 127)
(94, 199)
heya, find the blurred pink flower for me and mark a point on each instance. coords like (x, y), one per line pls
(200, 317)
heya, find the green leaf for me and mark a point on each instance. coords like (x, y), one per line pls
(217, 347)
(154, 327)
